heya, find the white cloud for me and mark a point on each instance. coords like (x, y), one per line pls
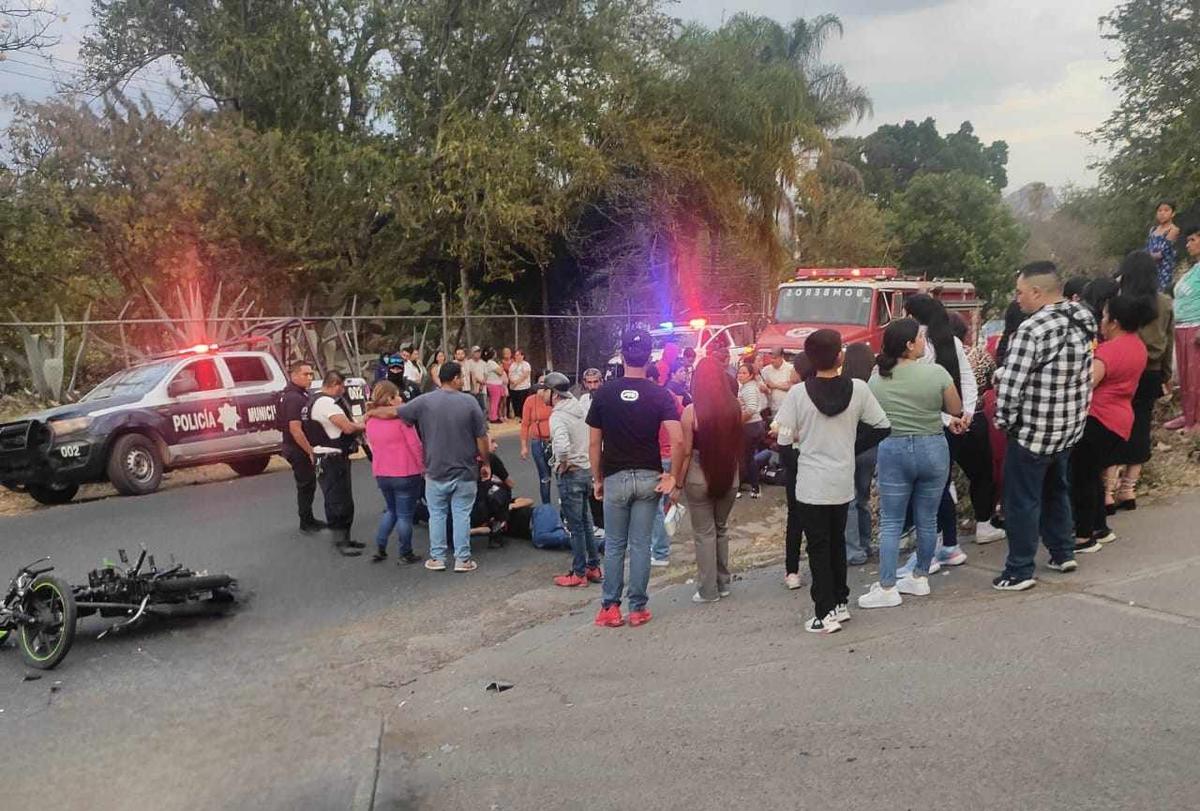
(1023, 71)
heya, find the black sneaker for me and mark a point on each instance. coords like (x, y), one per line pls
(380, 555)
(1006, 582)
(1063, 566)
(409, 557)
(353, 544)
(312, 527)
(347, 550)
(1090, 545)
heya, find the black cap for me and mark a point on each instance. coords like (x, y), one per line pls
(556, 381)
(635, 339)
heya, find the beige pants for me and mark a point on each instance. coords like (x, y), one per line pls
(710, 531)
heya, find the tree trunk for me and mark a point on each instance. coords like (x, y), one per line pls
(464, 292)
(546, 332)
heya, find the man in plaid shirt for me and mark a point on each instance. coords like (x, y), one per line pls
(1043, 391)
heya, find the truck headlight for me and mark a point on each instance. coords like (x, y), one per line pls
(61, 428)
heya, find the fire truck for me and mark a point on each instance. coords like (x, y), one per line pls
(857, 302)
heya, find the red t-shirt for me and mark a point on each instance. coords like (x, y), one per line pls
(1124, 361)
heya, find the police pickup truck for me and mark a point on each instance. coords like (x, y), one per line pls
(196, 408)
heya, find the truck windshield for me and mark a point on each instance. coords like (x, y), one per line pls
(824, 304)
(682, 338)
(130, 382)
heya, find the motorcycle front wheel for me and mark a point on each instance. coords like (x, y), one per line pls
(46, 640)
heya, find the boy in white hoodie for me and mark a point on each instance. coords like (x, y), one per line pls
(569, 438)
(829, 419)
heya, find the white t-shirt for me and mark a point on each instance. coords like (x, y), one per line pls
(495, 374)
(772, 376)
(825, 463)
(970, 388)
(322, 411)
(412, 372)
(523, 371)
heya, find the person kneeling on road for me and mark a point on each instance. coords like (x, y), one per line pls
(569, 445)
(331, 433)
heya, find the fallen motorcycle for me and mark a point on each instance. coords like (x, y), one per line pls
(44, 611)
(41, 609)
(135, 592)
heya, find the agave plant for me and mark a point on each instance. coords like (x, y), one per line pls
(43, 358)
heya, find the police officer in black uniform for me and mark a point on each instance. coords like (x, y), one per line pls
(296, 449)
(333, 437)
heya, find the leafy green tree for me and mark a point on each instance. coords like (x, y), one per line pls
(1150, 136)
(955, 225)
(889, 158)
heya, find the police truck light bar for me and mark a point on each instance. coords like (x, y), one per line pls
(198, 349)
(846, 273)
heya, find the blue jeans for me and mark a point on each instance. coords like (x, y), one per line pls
(858, 518)
(537, 449)
(1037, 502)
(574, 487)
(629, 505)
(660, 543)
(457, 497)
(911, 469)
(400, 494)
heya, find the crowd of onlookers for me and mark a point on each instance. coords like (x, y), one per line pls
(1049, 422)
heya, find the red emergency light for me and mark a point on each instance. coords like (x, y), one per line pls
(846, 273)
(198, 349)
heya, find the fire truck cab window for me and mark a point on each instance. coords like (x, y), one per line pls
(824, 304)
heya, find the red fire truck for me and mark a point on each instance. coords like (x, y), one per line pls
(857, 302)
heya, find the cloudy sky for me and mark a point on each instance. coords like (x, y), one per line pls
(1029, 72)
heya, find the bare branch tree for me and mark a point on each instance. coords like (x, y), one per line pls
(25, 25)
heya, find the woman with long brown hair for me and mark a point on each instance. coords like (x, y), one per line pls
(712, 448)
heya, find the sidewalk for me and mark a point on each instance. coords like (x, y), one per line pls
(1082, 692)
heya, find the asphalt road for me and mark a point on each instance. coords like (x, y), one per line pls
(298, 596)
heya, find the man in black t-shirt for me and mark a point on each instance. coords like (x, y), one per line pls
(625, 417)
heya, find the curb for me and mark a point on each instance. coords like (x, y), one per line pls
(364, 794)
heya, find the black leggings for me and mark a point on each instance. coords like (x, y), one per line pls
(973, 453)
(1088, 460)
(795, 531)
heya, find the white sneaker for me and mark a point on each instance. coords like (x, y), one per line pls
(792, 581)
(916, 586)
(907, 569)
(879, 597)
(950, 556)
(660, 562)
(697, 598)
(986, 532)
(598, 533)
(1108, 537)
(842, 613)
(829, 625)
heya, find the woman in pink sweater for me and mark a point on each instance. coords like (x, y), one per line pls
(399, 468)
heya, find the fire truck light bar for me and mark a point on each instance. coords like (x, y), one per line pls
(846, 273)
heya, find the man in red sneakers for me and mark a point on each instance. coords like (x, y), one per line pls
(569, 448)
(625, 418)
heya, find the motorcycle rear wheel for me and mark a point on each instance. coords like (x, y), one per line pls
(44, 643)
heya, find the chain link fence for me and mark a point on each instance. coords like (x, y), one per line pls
(61, 360)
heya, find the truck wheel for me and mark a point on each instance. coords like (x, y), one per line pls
(52, 493)
(250, 467)
(134, 466)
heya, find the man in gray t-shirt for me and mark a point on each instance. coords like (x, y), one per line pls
(455, 438)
